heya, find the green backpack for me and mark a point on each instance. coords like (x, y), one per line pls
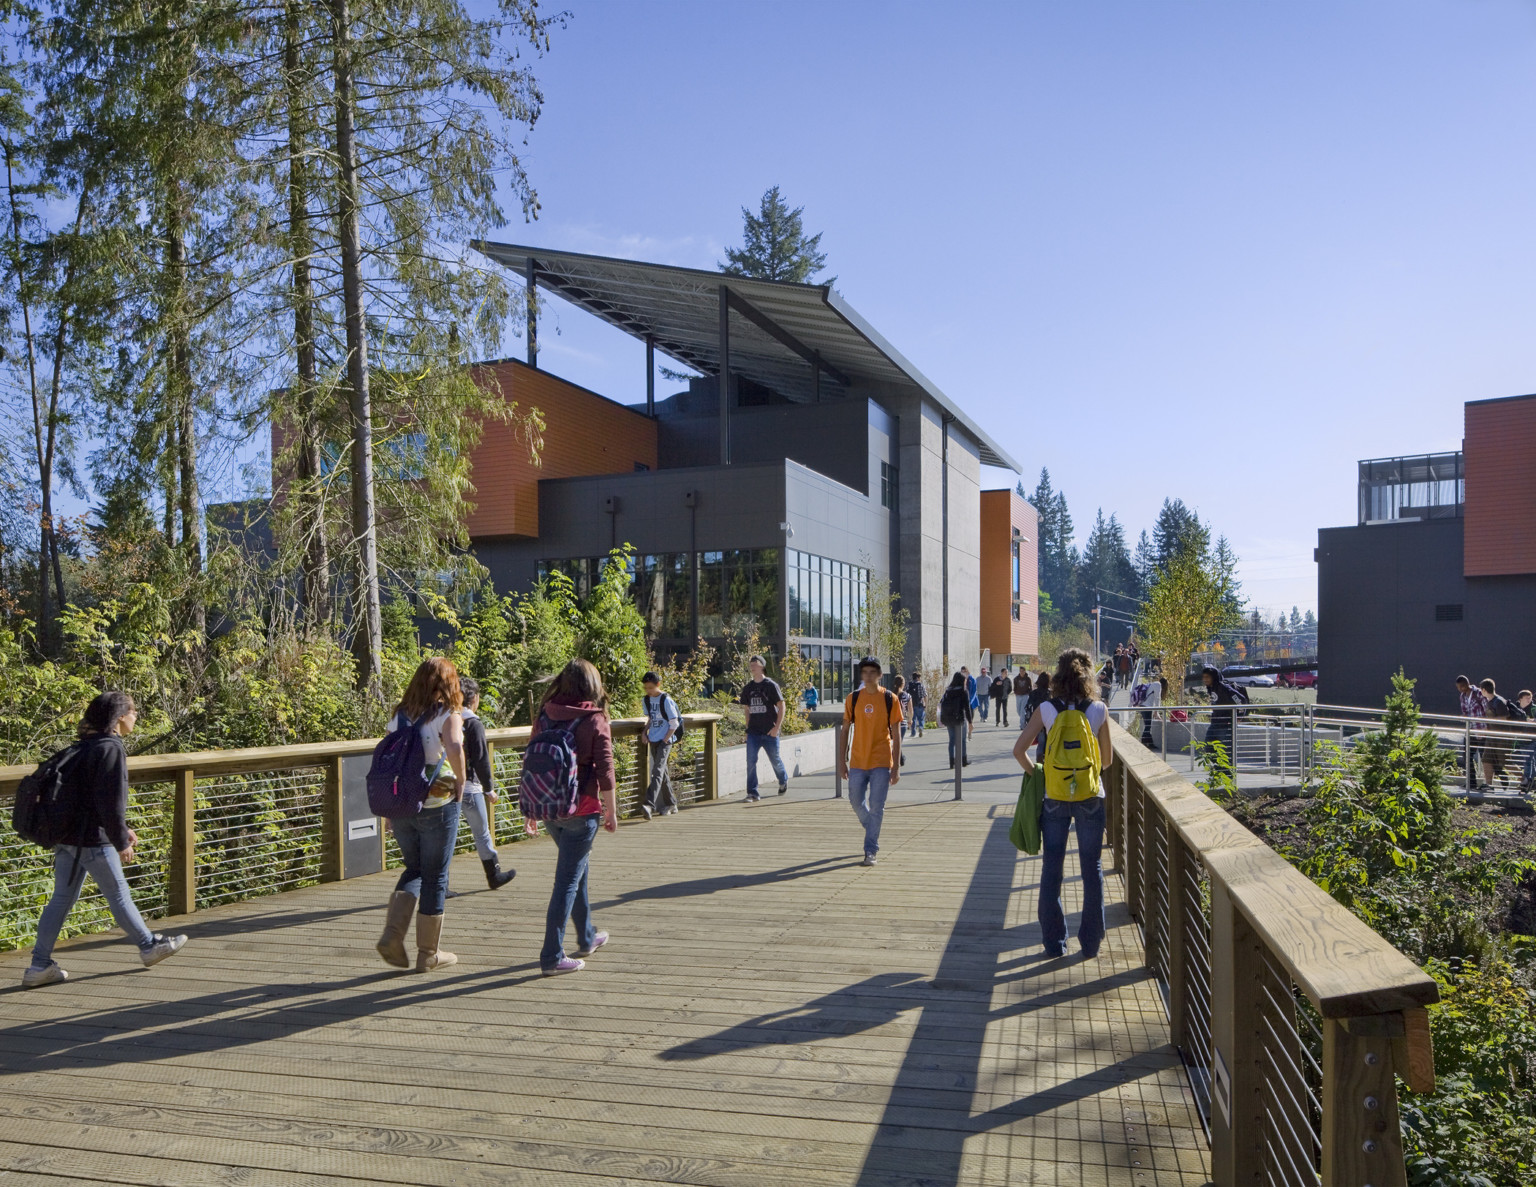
(1071, 755)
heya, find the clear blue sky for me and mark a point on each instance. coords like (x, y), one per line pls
(1206, 250)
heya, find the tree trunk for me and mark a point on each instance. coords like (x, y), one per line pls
(369, 637)
(310, 507)
(182, 402)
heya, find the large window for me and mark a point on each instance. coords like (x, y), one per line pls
(825, 596)
(887, 485)
(1014, 568)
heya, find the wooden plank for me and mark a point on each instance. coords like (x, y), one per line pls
(181, 892)
(1413, 1057)
(1362, 1141)
(1342, 966)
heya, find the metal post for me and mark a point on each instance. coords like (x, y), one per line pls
(837, 765)
(711, 760)
(725, 375)
(1466, 778)
(490, 808)
(650, 376)
(531, 272)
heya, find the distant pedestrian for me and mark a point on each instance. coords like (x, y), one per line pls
(1496, 752)
(480, 786)
(811, 697)
(983, 692)
(870, 761)
(1078, 749)
(431, 706)
(970, 689)
(1222, 729)
(764, 705)
(1474, 705)
(662, 722)
(1000, 688)
(919, 696)
(905, 698)
(1022, 687)
(577, 704)
(1147, 696)
(1107, 680)
(957, 714)
(96, 782)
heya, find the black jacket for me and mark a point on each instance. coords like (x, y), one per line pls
(99, 775)
(477, 755)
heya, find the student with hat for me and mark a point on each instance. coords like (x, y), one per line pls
(870, 759)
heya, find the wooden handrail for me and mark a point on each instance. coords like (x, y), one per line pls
(162, 768)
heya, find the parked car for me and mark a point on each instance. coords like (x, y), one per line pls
(1298, 679)
(1248, 680)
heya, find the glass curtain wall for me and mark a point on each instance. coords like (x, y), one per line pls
(824, 600)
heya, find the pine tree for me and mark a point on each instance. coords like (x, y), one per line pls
(1176, 530)
(1058, 558)
(1144, 561)
(775, 246)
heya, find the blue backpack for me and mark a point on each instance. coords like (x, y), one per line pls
(398, 779)
(551, 779)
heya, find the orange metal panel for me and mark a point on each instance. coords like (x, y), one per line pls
(1500, 454)
(1003, 511)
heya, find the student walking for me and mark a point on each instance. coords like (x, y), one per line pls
(870, 761)
(1223, 720)
(764, 705)
(480, 786)
(1146, 696)
(957, 714)
(1000, 688)
(919, 696)
(661, 725)
(983, 691)
(431, 706)
(970, 688)
(1022, 687)
(96, 777)
(577, 705)
(1037, 697)
(905, 698)
(1078, 750)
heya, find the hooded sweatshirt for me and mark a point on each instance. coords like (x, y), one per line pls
(594, 750)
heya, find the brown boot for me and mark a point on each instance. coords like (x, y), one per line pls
(392, 943)
(429, 929)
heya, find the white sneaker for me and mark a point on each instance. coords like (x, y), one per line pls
(646, 808)
(163, 947)
(52, 974)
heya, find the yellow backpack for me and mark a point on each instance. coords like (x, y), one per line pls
(1071, 755)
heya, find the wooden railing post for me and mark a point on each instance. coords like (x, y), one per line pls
(1237, 1011)
(711, 760)
(181, 891)
(1178, 933)
(490, 808)
(642, 765)
(1361, 1139)
(1135, 844)
(333, 829)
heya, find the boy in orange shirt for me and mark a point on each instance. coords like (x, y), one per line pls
(872, 731)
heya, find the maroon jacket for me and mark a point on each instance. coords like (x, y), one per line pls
(594, 750)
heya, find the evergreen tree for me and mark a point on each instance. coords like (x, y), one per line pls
(1144, 561)
(1106, 566)
(1176, 530)
(775, 245)
(1057, 557)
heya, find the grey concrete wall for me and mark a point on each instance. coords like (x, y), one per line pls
(964, 548)
(1377, 589)
(831, 520)
(801, 754)
(920, 578)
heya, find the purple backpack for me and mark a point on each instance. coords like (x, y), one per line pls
(398, 779)
(551, 780)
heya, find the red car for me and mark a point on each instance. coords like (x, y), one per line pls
(1297, 679)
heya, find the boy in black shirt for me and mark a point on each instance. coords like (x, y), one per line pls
(764, 705)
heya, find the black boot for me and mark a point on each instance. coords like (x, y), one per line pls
(495, 876)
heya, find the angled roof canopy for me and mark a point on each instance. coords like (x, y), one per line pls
(780, 336)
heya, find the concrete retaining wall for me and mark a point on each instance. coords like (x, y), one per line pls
(802, 754)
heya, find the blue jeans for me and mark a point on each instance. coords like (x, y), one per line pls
(104, 866)
(573, 837)
(768, 742)
(957, 732)
(867, 790)
(981, 706)
(1055, 821)
(426, 843)
(919, 713)
(479, 824)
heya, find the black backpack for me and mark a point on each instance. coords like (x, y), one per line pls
(44, 811)
(952, 706)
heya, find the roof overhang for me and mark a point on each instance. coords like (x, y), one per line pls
(781, 334)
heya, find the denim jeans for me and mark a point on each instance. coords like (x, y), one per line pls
(768, 742)
(1021, 709)
(658, 796)
(981, 706)
(479, 824)
(104, 866)
(919, 714)
(573, 837)
(426, 845)
(1055, 822)
(867, 789)
(957, 732)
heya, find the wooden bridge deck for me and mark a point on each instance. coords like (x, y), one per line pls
(768, 1013)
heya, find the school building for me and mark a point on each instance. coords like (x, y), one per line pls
(831, 463)
(1438, 574)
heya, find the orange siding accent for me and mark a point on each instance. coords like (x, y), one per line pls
(584, 434)
(1001, 512)
(1500, 453)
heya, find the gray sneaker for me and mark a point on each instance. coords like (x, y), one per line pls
(50, 974)
(163, 947)
(869, 859)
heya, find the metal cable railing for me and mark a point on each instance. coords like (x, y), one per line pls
(1292, 1080)
(257, 834)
